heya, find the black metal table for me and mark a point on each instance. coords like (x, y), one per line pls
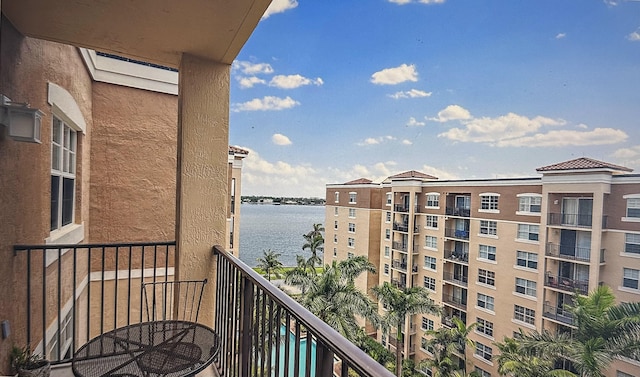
(148, 349)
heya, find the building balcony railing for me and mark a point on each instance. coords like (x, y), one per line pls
(458, 211)
(454, 278)
(570, 220)
(399, 264)
(398, 283)
(456, 233)
(401, 227)
(567, 284)
(399, 246)
(456, 256)
(448, 321)
(400, 208)
(72, 293)
(558, 314)
(567, 252)
(456, 302)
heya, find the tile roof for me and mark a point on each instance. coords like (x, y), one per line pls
(359, 181)
(581, 164)
(237, 150)
(413, 174)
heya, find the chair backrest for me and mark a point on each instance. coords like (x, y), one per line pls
(178, 300)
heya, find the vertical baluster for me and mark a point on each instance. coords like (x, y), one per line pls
(115, 290)
(102, 293)
(59, 304)
(307, 368)
(324, 360)
(296, 361)
(245, 330)
(129, 287)
(44, 301)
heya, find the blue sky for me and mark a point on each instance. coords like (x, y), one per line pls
(331, 91)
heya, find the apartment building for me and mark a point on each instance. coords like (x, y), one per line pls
(507, 254)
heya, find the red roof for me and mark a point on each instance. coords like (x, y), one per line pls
(583, 163)
(413, 174)
(359, 181)
(237, 150)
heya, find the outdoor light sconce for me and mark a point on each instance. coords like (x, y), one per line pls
(23, 122)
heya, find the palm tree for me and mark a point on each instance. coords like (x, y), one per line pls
(446, 343)
(333, 297)
(300, 276)
(270, 263)
(398, 304)
(314, 245)
(603, 332)
(513, 361)
(316, 231)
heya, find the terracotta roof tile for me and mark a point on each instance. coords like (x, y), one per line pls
(413, 174)
(359, 181)
(582, 163)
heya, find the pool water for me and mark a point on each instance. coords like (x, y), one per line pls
(302, 357)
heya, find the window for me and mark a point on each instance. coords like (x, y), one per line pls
(486, 277)
(424, 343)
(432, 222)
(386, 269)
(335, 211)
(387, 234)
(484, 327)
(63, 174)
(388, 218)
(337, 196)
(433, 200)
(388, 198)
(489, 201)
(427, 324)
(528, 232)
(528, 260)
(430, 263)
(630, 278)
(529, 204)
(352, 227)
(623, 374)
(430, 283)
(431, 242)
(487, 252)
(335, 252)
(335, 238)
(633, 207)
(384, 340)
(526, 287)
(351, 242)
(632, 243)
(488, 227)
(523, 314)
(483, 351)
(352, 213)
(352, 197)
(335, 225)
(482, 372)
(350, 255)
(485, 301)
(386, 251)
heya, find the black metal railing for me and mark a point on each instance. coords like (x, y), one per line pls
(401, 227)
(456, 233)
(93, 288)
(558, 314)
(399, 264)
(457, 302)
(455, 278)
(567, 284)
(448, 321)
(400, 208)
(569, 252)
(570, 219)
(399, 246)
(457, 256)
(398, 283)
(458, 211)
(265, 332)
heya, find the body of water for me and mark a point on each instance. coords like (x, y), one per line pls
(276, 227)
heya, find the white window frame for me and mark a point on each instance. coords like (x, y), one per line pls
(526, 287)
(64, 147)
(337, 196)
(527, 259)
(352, 213)
(484, 327)
(429, 283)
(350, 255)
(335, 211)
(489, 202)
(432, 200)
(430, 263)
(488, 228)
(487, 252)
(630, 274)
(526, 201)
(335, 252)
(484, 352)
(525, 233)
(431, 222)
(387, 251)
(481, 372)
(386, 269)
(353, 197)
(488, 302)
(633, 204)
(427, 324)
(387, 234)
(632, 239)
(335, 225)
(524, 314)
(389, 199)
(351, 242)
(486, 277)
(352, 228)
(387, 217)
(431, 242)
(335, 238)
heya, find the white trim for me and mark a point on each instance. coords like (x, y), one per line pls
(530, 242)
(521, 323)
(527, 194)
(631, 219)
(629, 290)
(631, 196)
(65, 107)
(483, 359)
(629, 255)
(489, 210)
(484, 310)
(528, 297)
(486, 260)
(488, 194)
(484, 285)
(70, 234)
(135, 274)
(523, 213)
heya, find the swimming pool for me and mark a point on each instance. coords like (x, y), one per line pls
(302, 357)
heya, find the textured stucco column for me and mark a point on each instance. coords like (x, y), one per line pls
(203, 147)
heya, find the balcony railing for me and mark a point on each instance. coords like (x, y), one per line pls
(456, 233)
(399, 284)
(399, 246)
(567, 252)
(399, 264)
(400, 208)
(457, 256)
(72, 293)
(570, 220)
(558, 314)
(457, 302)
(448, 321)
(401, 227)
(567, 284)
(458, 211)
(456, 278)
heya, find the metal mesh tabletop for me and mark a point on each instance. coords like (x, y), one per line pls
(149, 349)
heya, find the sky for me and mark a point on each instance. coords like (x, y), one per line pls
(331, 91)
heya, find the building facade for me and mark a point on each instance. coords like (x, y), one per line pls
(506, 254)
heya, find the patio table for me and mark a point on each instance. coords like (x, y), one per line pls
(148, 349)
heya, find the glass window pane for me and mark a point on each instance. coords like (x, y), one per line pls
(67, 200)
(55, 202)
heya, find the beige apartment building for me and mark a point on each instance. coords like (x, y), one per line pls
(507, 254)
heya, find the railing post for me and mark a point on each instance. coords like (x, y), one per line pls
(324, 360)
(246, 314)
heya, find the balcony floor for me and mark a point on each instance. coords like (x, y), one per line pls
(64, 370)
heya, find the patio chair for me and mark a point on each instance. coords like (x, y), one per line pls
(173, 300)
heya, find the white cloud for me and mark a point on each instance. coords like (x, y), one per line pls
(635, 36)
(265, 104)
(293, 81)
(249, 68)
(561, 138)
(561, 35)
(397, 75)
(414, 123)
(400, 2)
(249, 82)
(452, 112)
(375, 140)
(413, 93)
(279, 6)
(439, 173)
(403, 2)
(280, 139)
(627, 153)
(407, 142)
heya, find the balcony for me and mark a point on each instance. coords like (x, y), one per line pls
(448, 321)
(401, 227)
(572, 253)
(566, 284)
(400, 208)
(458, 211)
(456, 233)
(457, 279)
(557, 314)
(399, 246)
(398, 283)
(456, 256)
(456, 302)
(98, 287)
(570, 220)
(399, 265)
